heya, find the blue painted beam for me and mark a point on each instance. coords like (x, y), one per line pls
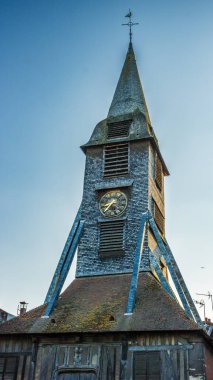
(64, 270)
(160, 275)
(63, 257)
(136, 266)
(183, 285)
(170, 267)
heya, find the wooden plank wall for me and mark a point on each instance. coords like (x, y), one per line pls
(104, 359)
(22, 349)
(182, 357)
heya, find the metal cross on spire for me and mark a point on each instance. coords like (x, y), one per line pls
(130, 24)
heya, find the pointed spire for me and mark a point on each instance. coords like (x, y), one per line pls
(129, 94)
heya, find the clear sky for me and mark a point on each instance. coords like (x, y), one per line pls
(60, 62)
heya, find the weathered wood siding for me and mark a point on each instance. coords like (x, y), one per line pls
(209, 363)
(110, 357)
(104, 360)
(23, 350)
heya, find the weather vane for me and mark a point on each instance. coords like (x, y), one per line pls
(130, 24)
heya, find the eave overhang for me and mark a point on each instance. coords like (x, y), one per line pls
(140, 130)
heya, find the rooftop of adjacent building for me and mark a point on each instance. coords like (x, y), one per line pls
(5, 316)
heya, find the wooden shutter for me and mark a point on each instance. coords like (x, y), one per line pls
(158, 173)
(8, 367)
(118, 129)
(116, 160)
(157, 215)
(146, 366)
(159, 218)
(111, 238)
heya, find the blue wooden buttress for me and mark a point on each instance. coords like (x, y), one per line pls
(64, 263)
(147, 220)
(181, 288)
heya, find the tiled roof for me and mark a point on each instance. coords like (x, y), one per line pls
(97, 304)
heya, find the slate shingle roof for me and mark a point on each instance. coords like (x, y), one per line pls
(97, 304)
(129, 94)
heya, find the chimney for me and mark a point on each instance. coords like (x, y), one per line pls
(22, 308)
(208, 320)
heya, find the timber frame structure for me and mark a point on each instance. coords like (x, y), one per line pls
(146, 221)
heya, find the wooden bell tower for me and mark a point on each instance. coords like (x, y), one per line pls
(121, 318)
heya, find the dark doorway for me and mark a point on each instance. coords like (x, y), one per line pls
(147, 365)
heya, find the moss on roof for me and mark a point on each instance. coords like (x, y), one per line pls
(97, 304)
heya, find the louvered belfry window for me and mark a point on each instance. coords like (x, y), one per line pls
(159, 218)
(146, 366)
(118, 129)
(116, 160)
(111, 238)
(158, 173)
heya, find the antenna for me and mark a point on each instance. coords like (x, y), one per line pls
(202, 304)
(209, 295)
(130, 24)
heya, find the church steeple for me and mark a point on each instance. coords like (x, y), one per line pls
(129, 96)
(120, 228)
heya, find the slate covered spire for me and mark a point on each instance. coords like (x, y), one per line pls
(129, 94)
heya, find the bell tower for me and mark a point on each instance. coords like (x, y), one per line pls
(124, 177)
(119, 231)
(120, 318)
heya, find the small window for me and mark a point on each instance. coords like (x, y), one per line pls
(116, 160)
(111, 239)
(146, 365)
(118, 129)
(158, 173)
(8, 367)
(158, 216)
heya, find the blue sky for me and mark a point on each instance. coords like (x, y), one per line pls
(60, 62)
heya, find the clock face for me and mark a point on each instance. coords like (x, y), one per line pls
(113, 203)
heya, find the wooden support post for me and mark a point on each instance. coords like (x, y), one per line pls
(160, 275)
(65, 270)
(136, 266)
(64, 264)
(63, 257)
(183, 285)
(170, 267)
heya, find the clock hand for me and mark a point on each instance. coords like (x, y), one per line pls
(109, 204)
